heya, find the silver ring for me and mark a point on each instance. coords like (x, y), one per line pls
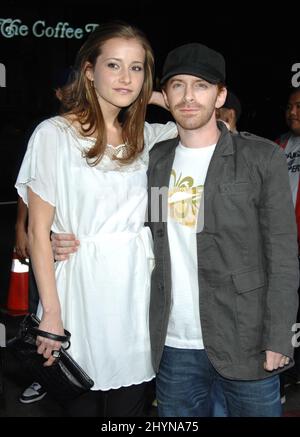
(55, 353)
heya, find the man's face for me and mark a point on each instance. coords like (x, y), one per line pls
(192, 100)
(292, 113)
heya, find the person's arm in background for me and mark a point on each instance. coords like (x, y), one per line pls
(158, 100)
(21, 237)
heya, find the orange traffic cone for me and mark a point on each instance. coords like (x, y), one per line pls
(17, 301)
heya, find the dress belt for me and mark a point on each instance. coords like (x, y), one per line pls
(103, 237)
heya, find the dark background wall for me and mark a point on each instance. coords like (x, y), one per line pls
(260, 51)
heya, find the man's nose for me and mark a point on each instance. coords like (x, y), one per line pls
(188, 95)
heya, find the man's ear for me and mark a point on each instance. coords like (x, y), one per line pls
(165, 98)
(221, 97)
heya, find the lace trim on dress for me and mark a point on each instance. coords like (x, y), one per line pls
(107, 163)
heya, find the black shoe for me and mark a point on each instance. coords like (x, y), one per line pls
(35, 392)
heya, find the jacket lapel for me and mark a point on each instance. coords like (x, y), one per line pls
(223, 148)
(216, 170)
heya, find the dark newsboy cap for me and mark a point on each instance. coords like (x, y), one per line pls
(197, 60)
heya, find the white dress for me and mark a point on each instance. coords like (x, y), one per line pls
(103, 288)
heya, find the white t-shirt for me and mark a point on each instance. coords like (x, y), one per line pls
(184, 198)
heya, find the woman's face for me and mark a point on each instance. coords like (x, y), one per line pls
(118, 74)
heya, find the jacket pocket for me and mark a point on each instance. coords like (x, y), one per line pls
(249, 301)
(248, 281)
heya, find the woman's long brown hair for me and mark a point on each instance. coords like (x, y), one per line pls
(79, 97)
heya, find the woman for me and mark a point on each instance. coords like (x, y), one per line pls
(85, 173)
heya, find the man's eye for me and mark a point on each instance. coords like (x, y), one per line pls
(201, 85)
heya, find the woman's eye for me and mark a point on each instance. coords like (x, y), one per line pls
(113, 65)
(137, 68)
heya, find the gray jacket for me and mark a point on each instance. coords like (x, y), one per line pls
(247, 256)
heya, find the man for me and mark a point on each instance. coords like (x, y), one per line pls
(290, 142)
(223, 299)
(230, 111)
(223, 291)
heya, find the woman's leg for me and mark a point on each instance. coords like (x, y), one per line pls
(126, 401)
(123, 402)
(90, 404)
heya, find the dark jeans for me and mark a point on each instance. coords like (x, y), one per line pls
(123, 402)
(218, 405)
(185, 380)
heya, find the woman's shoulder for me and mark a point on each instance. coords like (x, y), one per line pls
(49, 135)
(51, 125)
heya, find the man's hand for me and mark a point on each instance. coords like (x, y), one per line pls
(275, 360)
(63, 245)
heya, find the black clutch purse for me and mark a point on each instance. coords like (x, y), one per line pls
(65, 379)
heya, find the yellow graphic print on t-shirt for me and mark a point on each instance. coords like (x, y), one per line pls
(184, 200)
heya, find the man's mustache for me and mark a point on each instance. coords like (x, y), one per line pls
(187, 106)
